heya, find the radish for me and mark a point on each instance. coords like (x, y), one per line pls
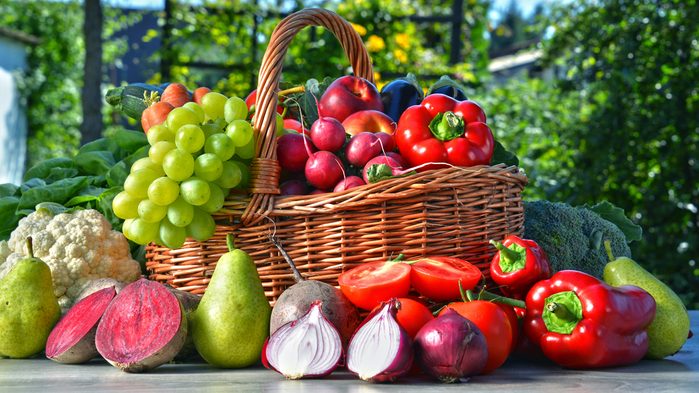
(293, 150)
(347, 183)
(324, 170)
(72, 340)
(143, 327)
(399, 159)
(381, 167)
(362, 148)
(328, 134)
(293, 187)
(388, 143)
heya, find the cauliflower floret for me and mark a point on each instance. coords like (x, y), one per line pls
(78, 247)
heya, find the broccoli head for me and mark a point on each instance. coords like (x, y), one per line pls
(573, 237)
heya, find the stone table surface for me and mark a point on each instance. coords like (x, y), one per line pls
(679, 373)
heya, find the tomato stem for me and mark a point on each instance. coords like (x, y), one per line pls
(399, 258)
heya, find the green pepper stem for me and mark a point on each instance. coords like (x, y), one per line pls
(30, 247)
(447, 126)
(504, 251)
(399, 258)
(608, 248)
(561, 311)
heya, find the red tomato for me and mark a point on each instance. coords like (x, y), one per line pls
(413, 315)
(369, 284)
(514, 323)
(437, 278)
(493, 323)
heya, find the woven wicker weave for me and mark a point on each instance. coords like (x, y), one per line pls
(452, 211)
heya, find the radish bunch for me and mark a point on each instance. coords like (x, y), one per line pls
(327, 159)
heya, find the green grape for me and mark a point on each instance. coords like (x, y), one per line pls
(246, 152)
(179, 117)
(189, 138)
(163, 191)
(178, 164)
(150, 212)
(197, 109)
(216, 199)
(143, 232)
(210, 129)
(125, 228)
(195, 191)
(213, 104)
(146, 162)
(240, 132)
(221, 145)
(171, 235)
(230, 175)
(208, 167)
(180, 213)
(125, 205)
(137, 182)
(158, 151)
(159, 133)
(244, 175)
(202, 226)
(235, 109)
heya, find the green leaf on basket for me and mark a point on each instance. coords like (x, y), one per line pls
(307, 101)
(503, 156)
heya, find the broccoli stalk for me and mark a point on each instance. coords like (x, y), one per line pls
(573, 237)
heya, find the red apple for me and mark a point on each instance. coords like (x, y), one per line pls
(347, 95)
(369, 120)
(295, 125)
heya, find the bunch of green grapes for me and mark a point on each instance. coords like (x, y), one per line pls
(195, 157)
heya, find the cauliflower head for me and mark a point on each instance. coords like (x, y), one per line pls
(78, 247)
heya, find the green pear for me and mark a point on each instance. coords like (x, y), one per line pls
(28, 308)
(231, 323)
(670, 327)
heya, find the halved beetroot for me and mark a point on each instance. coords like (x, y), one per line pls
(144, 327)
(72, 340)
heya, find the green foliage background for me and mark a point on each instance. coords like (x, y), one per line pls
(617, 120)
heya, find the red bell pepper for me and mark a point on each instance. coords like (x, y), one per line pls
(579, 321)
(444, 130)
(518, 264)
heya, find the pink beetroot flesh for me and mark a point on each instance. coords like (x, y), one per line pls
(142, 328)
(72, 340)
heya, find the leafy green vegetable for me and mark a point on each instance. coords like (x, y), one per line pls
(43, 169)
(91, 179)
(307, 102)
(8, 189)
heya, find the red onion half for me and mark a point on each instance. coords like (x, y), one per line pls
(308, 347)
(380, 350)
(451, 347)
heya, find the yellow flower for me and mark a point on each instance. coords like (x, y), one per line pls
(403, 40)
(359, 29)
(375, 43)
(400, 55)
(377, 76)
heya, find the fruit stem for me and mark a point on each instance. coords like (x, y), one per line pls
(30, 247)
(608, 248)
(230, 242)
(297, 275)
(397, 259)
(296, 89)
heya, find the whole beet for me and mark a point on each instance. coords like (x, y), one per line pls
(296, 300)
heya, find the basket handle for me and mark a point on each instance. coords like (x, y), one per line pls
(265, 170)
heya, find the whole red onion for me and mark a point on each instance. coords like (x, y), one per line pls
(451, 347)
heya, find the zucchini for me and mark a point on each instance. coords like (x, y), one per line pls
(133, 99)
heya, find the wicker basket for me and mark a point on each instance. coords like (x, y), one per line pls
(452, 211)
